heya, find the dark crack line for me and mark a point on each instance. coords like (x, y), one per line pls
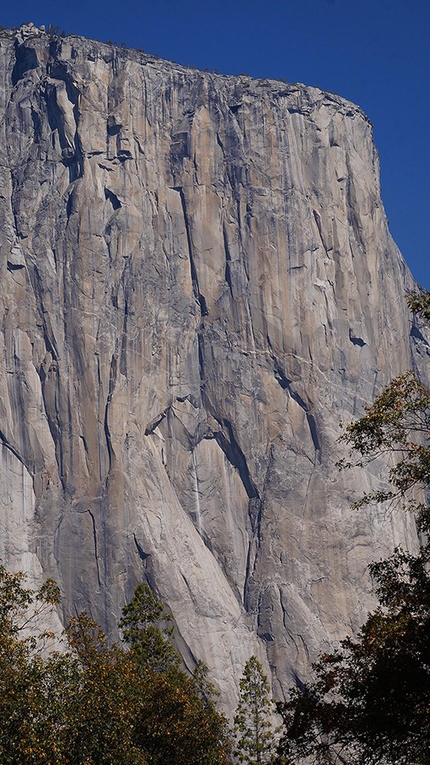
(194, 278)
(248, 575)
(96, 554)
(155, 423)
(200, 344)
(317, 217)
(227, 275)
(14, 451)
(286, 384)
(236, 457)
(112, 383)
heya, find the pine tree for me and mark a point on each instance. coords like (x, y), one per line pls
(255, 742)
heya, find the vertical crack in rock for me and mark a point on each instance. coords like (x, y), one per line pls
(254, 549)
(286, 384)
(250, 567)
(48, 374)
(96, 552)
(353, 209)
(124, 285)
(227, 262)
(317, 217)
(37, 283)
(112, 383)
(194, 277)
(229, 445)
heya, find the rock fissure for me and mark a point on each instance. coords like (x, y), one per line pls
(6, 443)
(286, 384)
(194, 277)
(96, 552)
(226, 440)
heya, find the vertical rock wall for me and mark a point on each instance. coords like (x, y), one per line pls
(197, 285)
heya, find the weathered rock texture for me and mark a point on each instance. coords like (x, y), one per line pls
(197, 285)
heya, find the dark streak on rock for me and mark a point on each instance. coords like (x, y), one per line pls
(155, 423)
(227, 262)
(194, 278)
(13, 449)
(286, 384)
(96, 554)
(200, 342)
(142, 555)
(357, 340)
(236, 457)
(25, 61)
(112, 383)
(113, 199)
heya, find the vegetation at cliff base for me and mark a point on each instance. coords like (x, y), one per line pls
(95, 703)
(369, 701)
(253, 729)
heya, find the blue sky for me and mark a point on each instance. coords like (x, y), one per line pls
(375, 53)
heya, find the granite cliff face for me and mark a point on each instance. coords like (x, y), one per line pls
(197, 285)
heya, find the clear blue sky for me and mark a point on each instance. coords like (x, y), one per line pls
(373, 52)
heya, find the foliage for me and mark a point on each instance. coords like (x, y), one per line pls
(397, 424)
(55, 31)
(369, 700)
(253, 730)
(27, 712)
(419, 304)
(100, 704)
(99, 711)
(174, 725)
(140, 629)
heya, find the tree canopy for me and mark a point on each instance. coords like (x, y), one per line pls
(100, 704)
(253, 729)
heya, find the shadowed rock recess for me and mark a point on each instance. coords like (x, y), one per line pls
(197, 285)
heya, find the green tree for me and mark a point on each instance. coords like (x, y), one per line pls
(95, 703)
(176, 715)
(30, 727)
(173, 725)
(100, 713)
(369, 700)
(253, 729)
(147, 629)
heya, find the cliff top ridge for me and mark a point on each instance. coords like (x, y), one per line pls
(83, 47)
